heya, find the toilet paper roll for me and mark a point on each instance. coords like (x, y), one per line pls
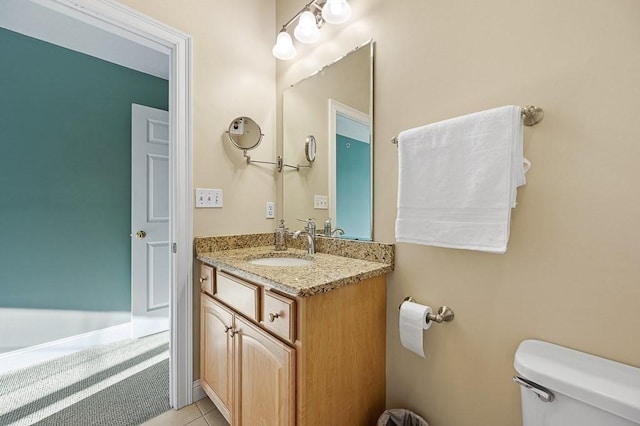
(413, 322)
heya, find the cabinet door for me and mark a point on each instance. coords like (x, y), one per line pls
(216, 353)
(264, 377)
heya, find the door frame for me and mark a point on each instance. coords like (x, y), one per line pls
(116, 18)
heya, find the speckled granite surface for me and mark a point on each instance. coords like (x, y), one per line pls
(365, 250)
(327, 272)
(336, 263)
(230, 242)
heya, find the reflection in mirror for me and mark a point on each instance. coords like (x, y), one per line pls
(334, 105)
(310, 148)
(244, 133)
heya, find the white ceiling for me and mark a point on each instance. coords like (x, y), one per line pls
(73, 30)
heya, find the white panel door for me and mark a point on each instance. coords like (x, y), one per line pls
(150, 245)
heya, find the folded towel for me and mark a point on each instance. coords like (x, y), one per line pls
(457, 180)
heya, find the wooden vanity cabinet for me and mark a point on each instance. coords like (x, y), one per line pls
(216, 353)
(264, 378)
(340, 350)
(314, 361)
(247, 373)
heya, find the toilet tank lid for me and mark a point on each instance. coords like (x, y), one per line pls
(606, 384)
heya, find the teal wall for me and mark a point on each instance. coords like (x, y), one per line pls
(65, 175)
(353, 187)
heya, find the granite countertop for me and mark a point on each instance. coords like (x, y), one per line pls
(324, 274)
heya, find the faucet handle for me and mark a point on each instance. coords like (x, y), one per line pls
(311, 219)
(309, 223)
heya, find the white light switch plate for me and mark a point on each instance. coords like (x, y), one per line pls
(320, 202)
(208, 198)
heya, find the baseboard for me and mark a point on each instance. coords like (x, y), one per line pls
(26, 357)
(197, 392)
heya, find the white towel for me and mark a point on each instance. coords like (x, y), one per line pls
(457, 180)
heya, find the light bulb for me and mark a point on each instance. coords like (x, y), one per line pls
(336, 11)
(307, 30)
(284, 48)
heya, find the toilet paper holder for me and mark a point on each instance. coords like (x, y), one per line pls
(445, 313)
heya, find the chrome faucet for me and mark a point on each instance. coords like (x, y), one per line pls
(338, 231)
(309, 226)
(311, 244)
(310, 232)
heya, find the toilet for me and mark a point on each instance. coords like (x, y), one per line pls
(565, 387)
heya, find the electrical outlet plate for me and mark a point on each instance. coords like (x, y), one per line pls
(271, 210)
(208, 198)
(320, 202)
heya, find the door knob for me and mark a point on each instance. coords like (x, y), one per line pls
(141, 234)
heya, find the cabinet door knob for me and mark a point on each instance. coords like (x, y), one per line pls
(273, 316)
(226, 328)
(234, 332)
(203, 279)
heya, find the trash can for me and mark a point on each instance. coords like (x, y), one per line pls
(401, 417)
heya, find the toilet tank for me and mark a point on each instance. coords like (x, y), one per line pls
(585, 390)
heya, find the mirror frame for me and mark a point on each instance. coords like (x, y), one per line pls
(234, 142)
(310, 148)
(370, 45)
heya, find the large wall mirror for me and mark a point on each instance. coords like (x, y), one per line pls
(335, 107)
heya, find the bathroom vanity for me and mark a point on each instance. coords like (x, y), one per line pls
(294, 345)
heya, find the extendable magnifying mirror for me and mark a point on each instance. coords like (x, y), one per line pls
(245, 134)
(310, 148)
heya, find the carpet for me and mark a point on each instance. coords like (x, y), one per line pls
(120, 384)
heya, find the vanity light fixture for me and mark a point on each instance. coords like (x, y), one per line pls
(307, 30)
(336, 11)
(284, 48)
(310, 19)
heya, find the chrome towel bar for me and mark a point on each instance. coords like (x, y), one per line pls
(531, 115)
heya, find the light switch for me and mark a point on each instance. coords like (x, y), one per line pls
(320, 202)
(208, 198)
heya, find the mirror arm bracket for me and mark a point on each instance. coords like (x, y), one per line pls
(278, 163)
(298, 166)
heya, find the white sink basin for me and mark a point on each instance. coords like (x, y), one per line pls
(281, 261)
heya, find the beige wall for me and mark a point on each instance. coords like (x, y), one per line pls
(575, 236)
(571, 274)
(233, 75)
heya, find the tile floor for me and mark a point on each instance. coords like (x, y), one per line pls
(202, 413)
